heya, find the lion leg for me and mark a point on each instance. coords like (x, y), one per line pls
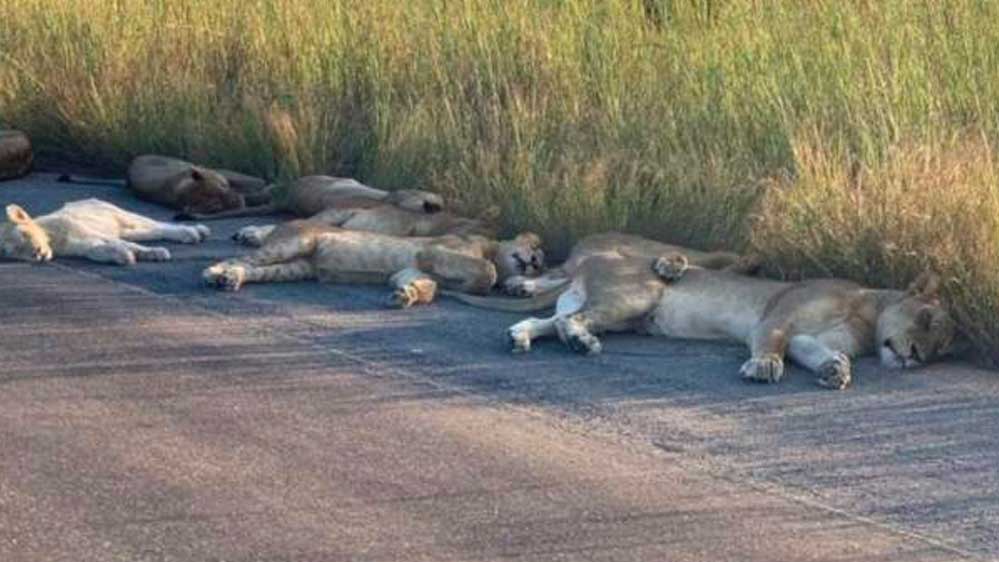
(139, 228)
(526, 331)
(284, 249)
(576, 331)
(232, 275)
(101, 251)
(193, 234)
(767, 346)
(253, 235)
(412, 286)
(457, 271)
(833, 368)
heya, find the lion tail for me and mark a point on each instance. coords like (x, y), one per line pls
(540, 301)
(69, 178)
(268, 209)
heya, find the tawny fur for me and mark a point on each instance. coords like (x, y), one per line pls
(383, 219)
(91, 229)
(193, 189)
(413, 266)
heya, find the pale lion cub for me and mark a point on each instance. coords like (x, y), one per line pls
(91, 229)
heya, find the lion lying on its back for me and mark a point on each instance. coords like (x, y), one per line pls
(818, 324)
(91, 229)
(413, 266)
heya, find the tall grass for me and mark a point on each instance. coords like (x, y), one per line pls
(837, 137)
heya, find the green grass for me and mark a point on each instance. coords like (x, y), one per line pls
(852, 138)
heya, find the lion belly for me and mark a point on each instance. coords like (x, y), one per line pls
(89, 218)
(681, 315)
(360, 257)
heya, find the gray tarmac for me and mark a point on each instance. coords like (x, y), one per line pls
(144, 417)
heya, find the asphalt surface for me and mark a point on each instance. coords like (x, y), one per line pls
(144, 417)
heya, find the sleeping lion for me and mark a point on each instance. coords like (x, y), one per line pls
(413, 266)
(92, 229)
(818, 324)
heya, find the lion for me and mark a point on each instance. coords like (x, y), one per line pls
(819, 324)
(92, 229)
(608, 244)
(310, 195)
(413, 266)
(193, 190)
(15, 154)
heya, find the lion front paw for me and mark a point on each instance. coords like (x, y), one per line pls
(225, 277)
(671, 266)
(575, 333)
(584, 343)
(765, 368)
(835, 373)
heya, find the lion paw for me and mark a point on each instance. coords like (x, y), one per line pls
(519, 337)
(520, 286)
(671, 266)
(224, 277)
(404, 297)
(584, 343)
(203, 232)
(191, 235)
(249, 236)
(835, 373)
(765, 368)
(154, 254)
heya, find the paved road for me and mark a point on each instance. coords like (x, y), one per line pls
(143, 417)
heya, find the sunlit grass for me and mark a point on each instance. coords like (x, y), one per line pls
(843, 138)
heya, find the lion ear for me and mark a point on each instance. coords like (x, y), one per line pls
(17, 215)
(197, 174)
(927, 285)
(529, 238)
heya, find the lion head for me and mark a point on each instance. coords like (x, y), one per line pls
(415, 200)
(521, 256)
(21, 238)
(916, 328)
(205, 191)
